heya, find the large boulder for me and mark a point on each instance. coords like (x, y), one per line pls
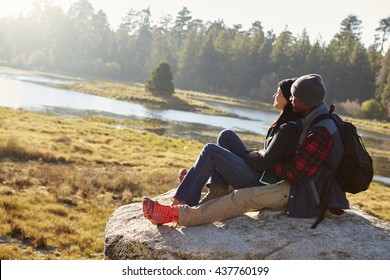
(268, 234)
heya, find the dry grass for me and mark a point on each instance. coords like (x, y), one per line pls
(205, 97)
(61, 179)
(374, 126)
(376, 201)
(137, 94)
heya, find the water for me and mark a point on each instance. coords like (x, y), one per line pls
(17, 92)
(33, 93)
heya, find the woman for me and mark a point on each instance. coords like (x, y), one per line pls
(233, 163)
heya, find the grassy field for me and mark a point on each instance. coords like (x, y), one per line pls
(61, 178)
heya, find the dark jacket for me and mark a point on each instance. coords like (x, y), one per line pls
(278, 145)
(304, 200)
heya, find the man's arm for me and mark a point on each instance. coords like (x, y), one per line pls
(311, 155)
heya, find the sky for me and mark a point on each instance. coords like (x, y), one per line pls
(321, 19)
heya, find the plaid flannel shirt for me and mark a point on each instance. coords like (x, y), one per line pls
(312, 154)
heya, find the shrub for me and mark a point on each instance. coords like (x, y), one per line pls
(349, 108)
(371, 109)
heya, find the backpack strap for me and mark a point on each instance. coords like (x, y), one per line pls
(324, 203)
(326, 193)
(318, 119)
(322, 117)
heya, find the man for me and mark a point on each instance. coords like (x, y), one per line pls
(308, 174)
(320, 149)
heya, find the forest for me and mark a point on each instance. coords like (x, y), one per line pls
(203, 56)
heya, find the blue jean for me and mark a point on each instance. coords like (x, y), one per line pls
(223, 163)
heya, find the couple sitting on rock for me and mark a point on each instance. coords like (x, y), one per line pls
(288, 173)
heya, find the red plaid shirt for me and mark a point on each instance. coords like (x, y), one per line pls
(305, 164)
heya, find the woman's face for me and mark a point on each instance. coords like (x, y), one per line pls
(279, 100)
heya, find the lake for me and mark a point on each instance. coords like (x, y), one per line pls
(36, 93)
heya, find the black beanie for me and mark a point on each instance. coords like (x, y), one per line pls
(285, 87)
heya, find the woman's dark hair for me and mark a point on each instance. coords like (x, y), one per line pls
(287, 113)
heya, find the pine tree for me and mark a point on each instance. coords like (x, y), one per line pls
(161, 81)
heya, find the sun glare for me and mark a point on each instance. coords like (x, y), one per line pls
(15, 8)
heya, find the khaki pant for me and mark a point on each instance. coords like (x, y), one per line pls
(234, 204)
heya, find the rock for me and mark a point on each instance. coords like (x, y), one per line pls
(268, 234)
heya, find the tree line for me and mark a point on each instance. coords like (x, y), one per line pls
(203, 56)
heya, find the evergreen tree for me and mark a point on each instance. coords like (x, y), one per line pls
(281, 55)
(346, 74)
(384, 28)
(187, 60)
(385, 96)
(300, 54)
(161, 82)
(142, 47)
(180, 25)
(383, 83)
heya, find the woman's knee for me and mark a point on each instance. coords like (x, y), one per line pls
(225, 136)
(209, 148)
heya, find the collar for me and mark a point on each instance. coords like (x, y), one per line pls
(319, 110)
(306, 121)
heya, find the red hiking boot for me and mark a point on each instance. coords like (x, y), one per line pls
(159, 214)
(182, 173)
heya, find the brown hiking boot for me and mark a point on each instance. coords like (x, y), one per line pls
(214, 192)
(159, 214)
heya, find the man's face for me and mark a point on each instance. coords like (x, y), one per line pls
(300, 106)
(297, 105)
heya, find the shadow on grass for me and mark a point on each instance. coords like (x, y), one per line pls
(13, 151)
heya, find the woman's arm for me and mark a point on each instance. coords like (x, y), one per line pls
(283, 141)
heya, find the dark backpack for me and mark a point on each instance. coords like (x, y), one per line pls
(355, 172)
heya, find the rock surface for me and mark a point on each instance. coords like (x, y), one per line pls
(268, 234)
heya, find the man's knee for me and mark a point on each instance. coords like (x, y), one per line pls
(242, 196)
(260, 197)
